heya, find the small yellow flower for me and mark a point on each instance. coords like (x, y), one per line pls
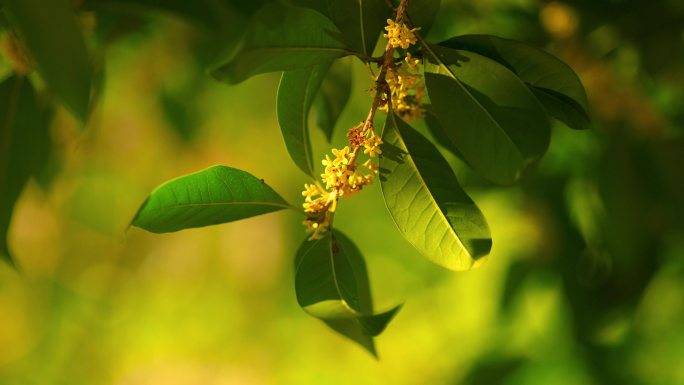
(372, 167)
(342, 177)
(341, 156)
(327, 162)
(372, 145)
(311, 190)
(399, 35)
(412, 62)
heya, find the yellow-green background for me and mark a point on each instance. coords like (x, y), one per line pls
(94, 303)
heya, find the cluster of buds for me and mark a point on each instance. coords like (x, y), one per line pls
(343, 177)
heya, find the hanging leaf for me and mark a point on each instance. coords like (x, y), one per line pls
(360, 21)
(55, 42)
(24, 140)
(492, 118)
(283, 38)
(331, 283)
(563, 109)
(428, 205)
(436, 129)
(218, 194)
(296, 93)
(554, 83)
(423, 13)
(333, 96)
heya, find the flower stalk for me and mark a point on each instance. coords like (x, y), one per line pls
(397, 85)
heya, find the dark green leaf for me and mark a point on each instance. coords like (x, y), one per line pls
(283, 38)
(556, 85)
(331, 283)
(296, 93)
(360, 21)
(333, 96)
(562, 108)
(23, 135)
(422, 13)
(56, 44)
(426, 202)
(436, 129)
(492, 118)
(212, 196)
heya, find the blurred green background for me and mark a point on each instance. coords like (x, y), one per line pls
(585, 284)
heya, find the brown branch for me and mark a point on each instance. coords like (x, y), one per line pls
(381, 87)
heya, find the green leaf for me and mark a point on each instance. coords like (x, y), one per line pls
(436, 129)
(360, 21)
(24, 124)
(563, 109)
(56, 44)
(555, 84)
(283, 38)
(428, 205)
(492, 118)
(218, 194)
(423, 13)
(296, 93)
(333, 96)
(331, 283)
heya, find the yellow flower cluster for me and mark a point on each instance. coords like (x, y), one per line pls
(399, 35)
(407, 92)
(406, 89)
(342, 178)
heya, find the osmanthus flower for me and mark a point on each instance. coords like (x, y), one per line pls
(406, 89)
(412, 62)
(399, 35)
(342, 177)
(343, 174)
(372, 145)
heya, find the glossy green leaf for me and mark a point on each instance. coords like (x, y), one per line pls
(218, 194)
(422, 14)
(331, 283)
(556, 85)
(492, 118)
(52, 35)
(24, 137)
(563, 109)
(436, 129)
(428, 205)
(333, 96)
(360, 21)
(296, 94)
(283, 38)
